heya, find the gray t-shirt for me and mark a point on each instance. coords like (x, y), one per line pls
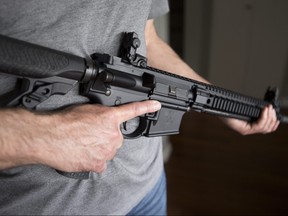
(80, 27)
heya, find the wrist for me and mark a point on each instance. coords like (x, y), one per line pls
(22, 137)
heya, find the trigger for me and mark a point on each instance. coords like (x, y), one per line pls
(125, 125)
(153, 116)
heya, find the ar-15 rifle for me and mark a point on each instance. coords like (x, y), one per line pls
(111, 81)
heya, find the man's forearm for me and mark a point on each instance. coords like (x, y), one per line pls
(160, 55)
(16, 136)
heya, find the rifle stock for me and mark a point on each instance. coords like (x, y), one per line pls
(25, 59)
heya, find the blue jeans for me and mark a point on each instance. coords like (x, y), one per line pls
(155, 202)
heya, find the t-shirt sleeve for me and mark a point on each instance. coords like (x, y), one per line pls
(158, 8)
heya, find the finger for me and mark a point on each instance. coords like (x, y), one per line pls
(273, 117)
(270, 120)
(100, 167)
(111, 154)
(261, 123)
(132, 110)
(276, 126)
(275, 123)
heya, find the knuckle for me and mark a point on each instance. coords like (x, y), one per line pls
(244, 133)
(139, 108)
(261, 127)
(100, 167)
(134, 108)
(112, 155)
(117, 137)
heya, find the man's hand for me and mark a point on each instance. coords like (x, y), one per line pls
(81, 138)
(266, 124)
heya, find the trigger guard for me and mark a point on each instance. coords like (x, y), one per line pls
(139, 130)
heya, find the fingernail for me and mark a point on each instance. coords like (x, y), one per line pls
(156, 105)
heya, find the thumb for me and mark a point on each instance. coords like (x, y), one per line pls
(132, 110)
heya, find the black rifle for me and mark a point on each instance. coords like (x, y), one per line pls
(111, 81)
